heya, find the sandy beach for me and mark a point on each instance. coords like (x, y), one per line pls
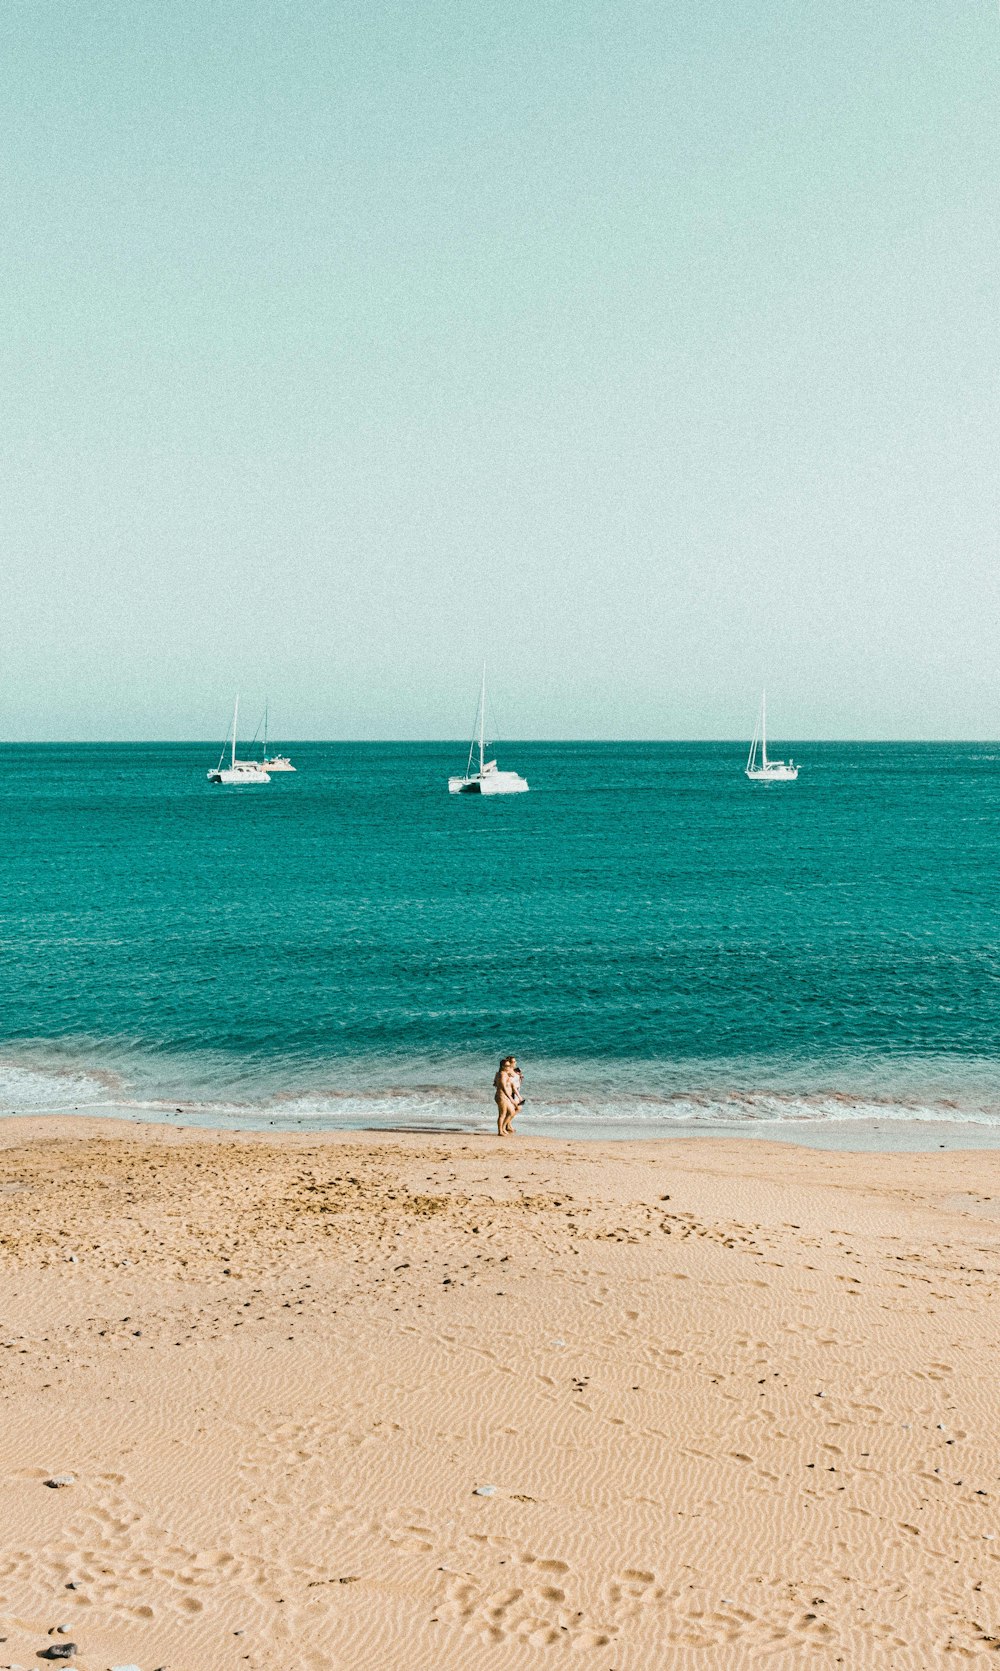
(433, 1401)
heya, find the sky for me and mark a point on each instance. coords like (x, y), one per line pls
(647, 349)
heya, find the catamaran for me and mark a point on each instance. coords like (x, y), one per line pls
(759, 768)
(489, 780)
(238, 771)
(277, 762)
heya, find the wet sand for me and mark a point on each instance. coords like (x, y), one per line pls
(409, 1400)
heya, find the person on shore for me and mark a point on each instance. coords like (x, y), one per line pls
(504, 1097)
(516, 1076)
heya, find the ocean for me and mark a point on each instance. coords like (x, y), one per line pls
(666, 947)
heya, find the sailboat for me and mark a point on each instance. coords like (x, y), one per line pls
(238, 771)
(759, 768)
(489, 780)
(277, 762)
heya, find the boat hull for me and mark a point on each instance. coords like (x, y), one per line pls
(239, 775)
(773, 774)
(488, 783)
(279, 765)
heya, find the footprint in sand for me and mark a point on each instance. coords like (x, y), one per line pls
(633, 1588)
(534, 1614)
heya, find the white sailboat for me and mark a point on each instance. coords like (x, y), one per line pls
(277, 762)
(238, 771)
(759, 768)
(488, 780)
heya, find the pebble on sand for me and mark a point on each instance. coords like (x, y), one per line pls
(57, 1481)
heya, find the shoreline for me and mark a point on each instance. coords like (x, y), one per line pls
(888, 1135)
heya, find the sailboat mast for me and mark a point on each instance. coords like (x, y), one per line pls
(752, 756)
(264, 755)
(236, 710)
(763, 727)
(482, 721)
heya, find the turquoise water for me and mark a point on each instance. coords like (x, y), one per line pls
(661, 942)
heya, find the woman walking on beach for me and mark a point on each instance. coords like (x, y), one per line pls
(505, 1096)
(516, 1076)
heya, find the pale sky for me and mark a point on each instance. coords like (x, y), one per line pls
(649, 348)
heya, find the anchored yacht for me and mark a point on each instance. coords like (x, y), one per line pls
(759, 768)
(489, 779)
(238, 771)
(277, 762)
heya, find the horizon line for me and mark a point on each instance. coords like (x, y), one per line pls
(513, 742)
